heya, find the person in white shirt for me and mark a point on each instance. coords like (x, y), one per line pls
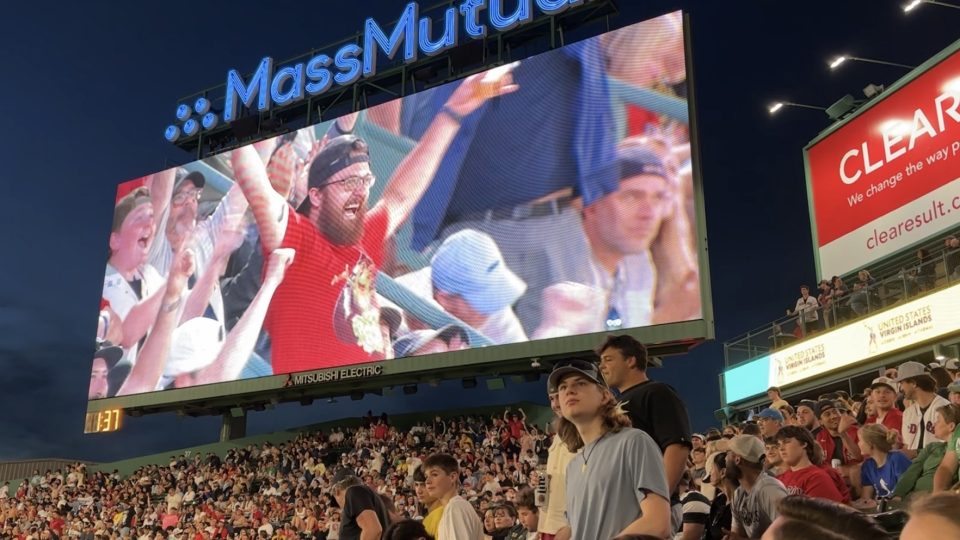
(808, 306)
(918, 419)
(459, 521)
(490, 484)
(553, 519)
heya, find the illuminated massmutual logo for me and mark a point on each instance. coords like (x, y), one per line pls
(290, 84)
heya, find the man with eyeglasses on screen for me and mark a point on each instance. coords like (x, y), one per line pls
(326, 312)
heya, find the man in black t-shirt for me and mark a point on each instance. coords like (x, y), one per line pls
(363, 514)
(653, 407)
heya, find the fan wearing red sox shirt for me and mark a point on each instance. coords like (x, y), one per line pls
(919, 387)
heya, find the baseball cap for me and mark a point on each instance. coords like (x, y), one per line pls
(635, 160)
(952, 364)
(698, 436)
(194, 177)
(195, 345)
(110, 353)
(825, 405)
(469, 264)
(338, 154)
(954, 387)
(748, 447)
(771, 414)
(127, 204)
(584, 368)
(884, 381)
(409, 344)
(908, 370)
(810, 404)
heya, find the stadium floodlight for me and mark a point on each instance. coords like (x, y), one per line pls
(777, 105)
(840, 60)
(916, 3)
(952, 86)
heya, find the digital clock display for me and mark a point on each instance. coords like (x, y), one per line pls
(103, 421)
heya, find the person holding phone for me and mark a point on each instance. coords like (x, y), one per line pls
(839, 440)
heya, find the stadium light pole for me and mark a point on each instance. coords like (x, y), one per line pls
(777, 105)
(840, 60)
(914, 4)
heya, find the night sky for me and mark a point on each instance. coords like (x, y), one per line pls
(89, 87)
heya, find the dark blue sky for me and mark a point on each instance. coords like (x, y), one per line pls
(89, 87)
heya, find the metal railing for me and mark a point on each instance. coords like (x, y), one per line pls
(858, 301)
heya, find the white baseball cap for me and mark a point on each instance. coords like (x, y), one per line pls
(195, 345)
(908, 370)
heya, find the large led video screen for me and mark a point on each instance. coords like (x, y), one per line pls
(548, 197)
(889, 178)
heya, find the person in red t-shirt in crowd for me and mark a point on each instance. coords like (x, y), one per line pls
(57, 523)
(835, 477)
(516, 423)
(380, 430)
(839, 439)
(325, 313)
(884, 394)
(803, 476)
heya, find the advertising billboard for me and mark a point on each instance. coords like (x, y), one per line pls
(545, 198)
(889, 178)
(919, 321)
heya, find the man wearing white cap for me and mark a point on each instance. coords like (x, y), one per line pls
(919, 387)
(755, 501)
(883, 390)
(469, 279)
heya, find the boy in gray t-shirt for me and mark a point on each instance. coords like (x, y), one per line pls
(616, 483)
(623, 469)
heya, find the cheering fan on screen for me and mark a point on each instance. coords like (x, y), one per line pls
(327, 301)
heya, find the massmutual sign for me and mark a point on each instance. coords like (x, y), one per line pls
(270, 87)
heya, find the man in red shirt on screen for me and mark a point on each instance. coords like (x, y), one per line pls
(325, 313)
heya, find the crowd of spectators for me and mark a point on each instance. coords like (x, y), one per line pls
(618, 462)
(889, 448)
(280, 491)
(834, 301)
